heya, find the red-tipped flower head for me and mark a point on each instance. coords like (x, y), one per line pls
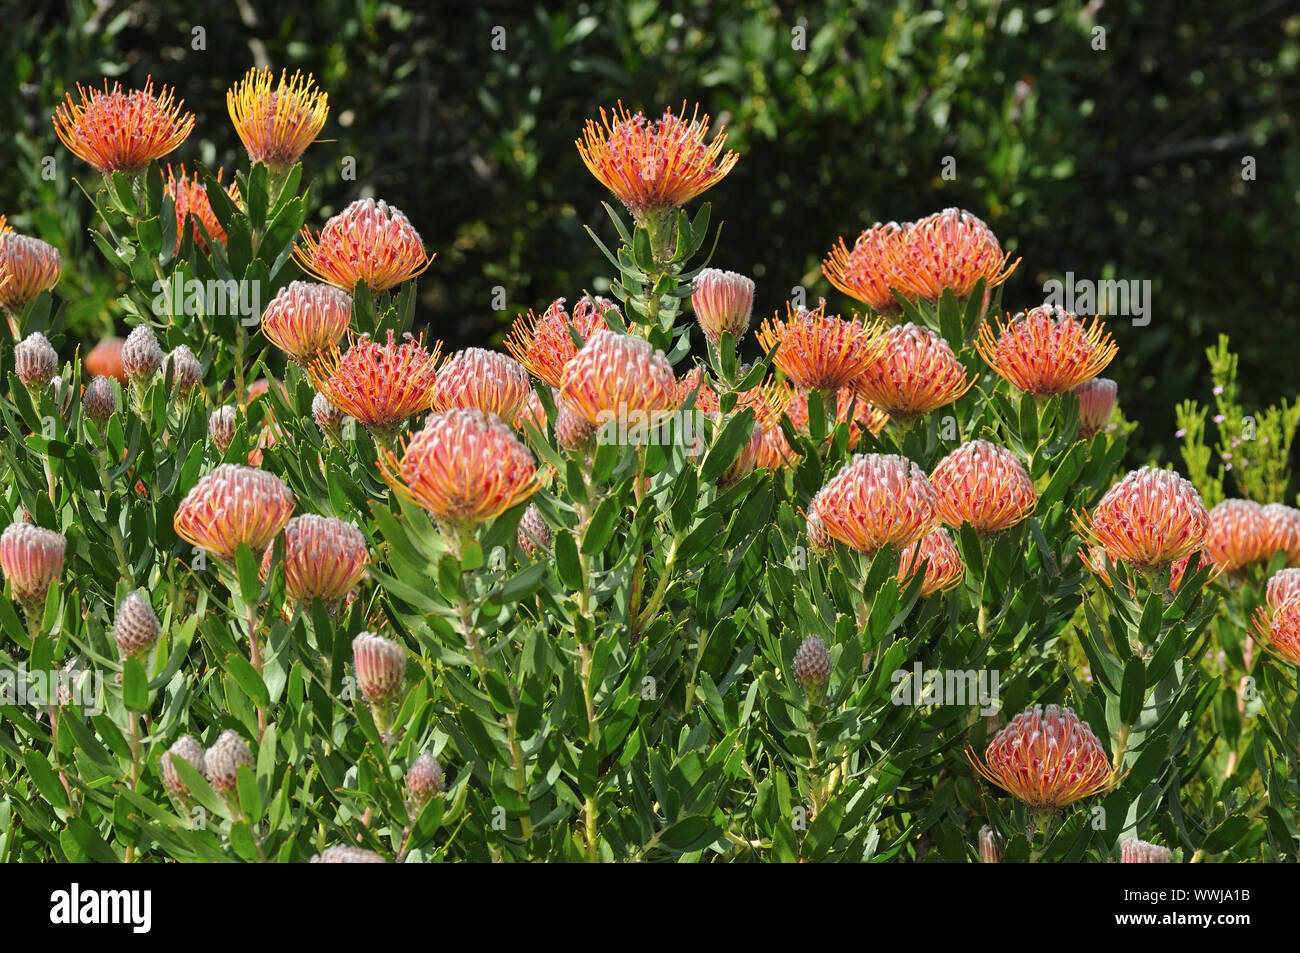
(617, 375)
(379, 385)
(122, 131)
(877, 499)
(305, 318)
(915, 374)
(488, 380)
(983, 484)
(276, 122)
(323, 558)
(368, 241)
(1149, 519)
(820, 352)
(545, 345)
(234, 504)
(1046, 351)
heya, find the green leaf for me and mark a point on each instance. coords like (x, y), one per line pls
(135, 685)
(1133, 691)
(567, 564)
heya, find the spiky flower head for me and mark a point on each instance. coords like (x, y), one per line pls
(347, 855)
(821, 352)
(35, 361)
(105, 360)
(99, 400)
(1239, 535)
(983, 484)
(1282, 586)
(276, 122)
(465, 467)
(534, 533)
(368, 241)
(136, 627)
(990, 851)
(877, 499)
(224, 759)
(32, 559)
(323, 558)
(122, 130)
(188, 748)
(141, 355)
(221, 427)
(379, 385)
(1134, 851)
(915, 374)
(183, 368)
(617, 375)
(28, 266)
(1283, 531)
(488, 380)
(811, 668)
(1278, 627)
(572, 431)
(381, 667)
(305, 318)
(423, 781)
(190, 195)
(1047, 350)
(723, 302)
(820, 542)
(654, 167)
(1047, 758)
(234, 505)
(1149, 519)
(1096, 404)
(865, 272)
(545, 345)
(952, 249)
(943, 565)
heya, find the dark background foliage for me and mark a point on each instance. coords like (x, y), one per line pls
(1124, 162)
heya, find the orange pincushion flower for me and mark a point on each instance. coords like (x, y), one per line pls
(544, 345)
(1279, 629)
(305, 318)
(916, 373)
(617, 375)
(323, 558)
(877, 499)
(865, 273)
(191, 197)
(232, 505)
(1238, 535)
(105, 360)
(949, 249)
(28, 266)
(818, 352)
(1046, 758)
(1283, 531)
(488, 380)
(944, 568)
(277, 124)
(1149, 519)
(368, 241)
(1283, 586)
(465, 467)
(379, 385)
(654, 166)
(983, 484)
(121, 131)
(1047, 351)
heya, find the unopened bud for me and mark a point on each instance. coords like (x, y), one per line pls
(348, 855)
(423, 781)
(328, 417)
(812, 668)
(224, 759)
(990, 852)
(185, 370)
(381, 667)
(1134, 851)
(186, 747)
(35, 361)
(136, 628)
(99, 402)
(141, 355)
(221, 427)
(534, 534)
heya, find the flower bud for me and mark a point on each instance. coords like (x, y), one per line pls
(381, 667)
(323, 558)
(1134, 851)
(35, 361)
(328, 417)
(184, 747)
(534, 535)
(812, 668)
(99, 402)
(221, 427)
(990, 852)
(723, 301)
(572, 432)
(141, 355)
(136, 628)
(32, 559)
(184, 369)
(224, 759)
(423, 781)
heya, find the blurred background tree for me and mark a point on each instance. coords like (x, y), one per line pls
(1107, 140)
